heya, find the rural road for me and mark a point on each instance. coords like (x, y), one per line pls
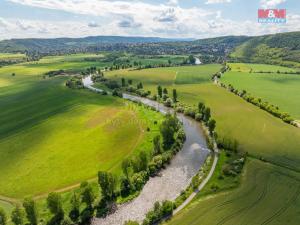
(172, 180)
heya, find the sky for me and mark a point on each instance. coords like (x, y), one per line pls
(155, 18)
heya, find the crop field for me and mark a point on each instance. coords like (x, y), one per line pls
(48, 130)
(267, 195)
(279, 89)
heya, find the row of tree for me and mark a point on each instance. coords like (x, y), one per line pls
(162, 93)
(274, 110)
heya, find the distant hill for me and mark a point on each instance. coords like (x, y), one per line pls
(282, 49)
(58, 44)
(210, 50)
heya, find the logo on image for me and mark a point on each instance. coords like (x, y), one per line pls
(272, 15)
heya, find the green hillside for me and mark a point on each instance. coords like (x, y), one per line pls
(281, 49)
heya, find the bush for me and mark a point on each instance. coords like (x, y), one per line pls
(189, 111)
(112, 84)
(198, 117)
(168, 102)
(75, 83)
(131, 223)
(138, 180)
(159, 212)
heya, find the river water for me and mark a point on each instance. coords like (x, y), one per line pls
(172, 180)
(197, 61)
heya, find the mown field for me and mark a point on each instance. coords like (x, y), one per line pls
(279, 89)
(48, 130)
(258, 133)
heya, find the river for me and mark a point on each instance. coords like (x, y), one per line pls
(172, 180)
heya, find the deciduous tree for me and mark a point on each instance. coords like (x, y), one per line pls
(17, 215)
(31, 211)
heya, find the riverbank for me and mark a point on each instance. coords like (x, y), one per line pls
(172, 180)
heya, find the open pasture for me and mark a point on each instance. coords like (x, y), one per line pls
(267, 195)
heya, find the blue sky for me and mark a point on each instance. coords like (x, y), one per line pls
(163, 18)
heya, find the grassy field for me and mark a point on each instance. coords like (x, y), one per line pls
(267, 195)
(247, 67)
(279, 89)
(168, 75)
(11, 56)
(48, 130)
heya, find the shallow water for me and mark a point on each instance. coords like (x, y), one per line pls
(172, 180)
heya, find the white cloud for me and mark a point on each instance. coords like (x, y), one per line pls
(93, 24)
(137, 19)
(217, 1)
(271, 3)
(172, 2)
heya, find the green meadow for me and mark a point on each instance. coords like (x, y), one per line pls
(281, 90)
(48, 130)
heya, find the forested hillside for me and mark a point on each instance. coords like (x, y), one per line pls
(281, 49)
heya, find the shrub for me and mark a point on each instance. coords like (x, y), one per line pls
(131, 223)
(3, 218)
(138, 180)
(168, 102)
